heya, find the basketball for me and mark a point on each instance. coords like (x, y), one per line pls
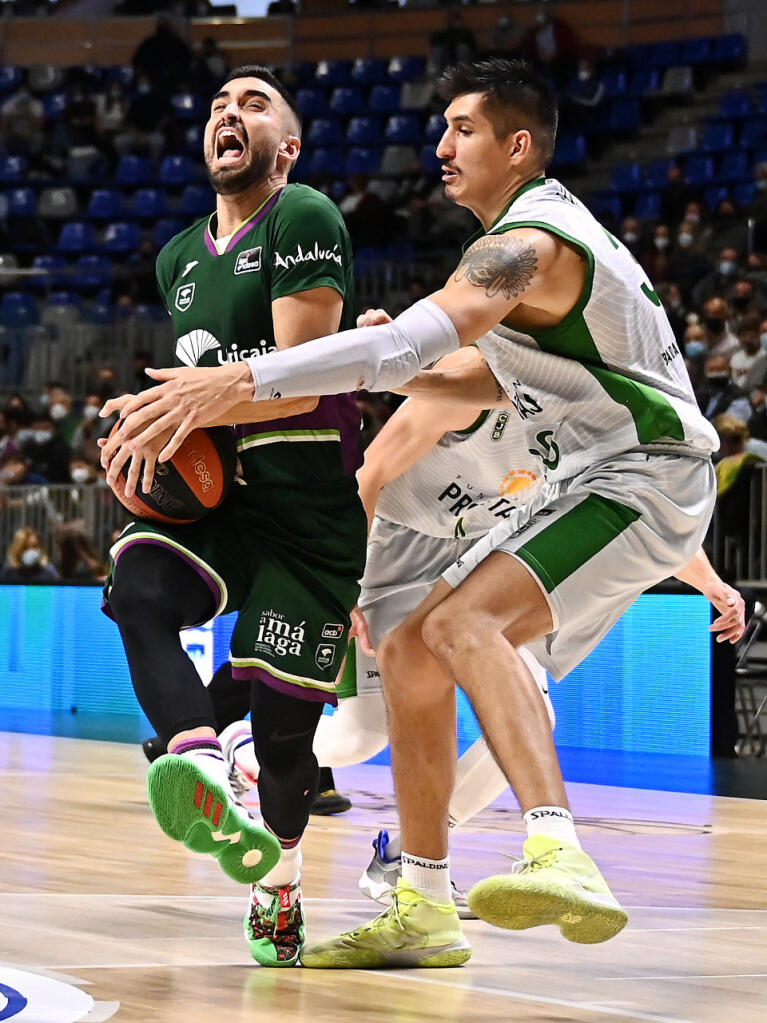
(194, 482)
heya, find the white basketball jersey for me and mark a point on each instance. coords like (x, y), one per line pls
(468, 482)
(609, 378)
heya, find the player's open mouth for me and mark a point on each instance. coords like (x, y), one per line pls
(448, 174)
(229, 146)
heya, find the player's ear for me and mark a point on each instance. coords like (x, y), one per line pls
(291, 147)
(520, 143)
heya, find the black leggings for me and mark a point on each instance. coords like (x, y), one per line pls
(154, 595)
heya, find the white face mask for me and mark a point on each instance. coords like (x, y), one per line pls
(42, 436)
(30, 556)
(661, 243)
(694, 218)
(761, 184)
(583, 76)
(726, 267)
(45, 400)
(80, 474)
(58, 411)
(685, 239)
(90, 412)
(630, 237)
(24, 436)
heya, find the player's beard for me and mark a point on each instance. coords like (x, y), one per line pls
(231, 180)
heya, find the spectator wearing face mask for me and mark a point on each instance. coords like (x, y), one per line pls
(721, 278)
(26, 560)
(687, 262)
(695, 353)
(48, 454)
(90, 428)
(749, 354)
(584, 95)
(719, 336)
(15, 472)
(654, 258)
(631, 234)
(63, 414)
(718, 394)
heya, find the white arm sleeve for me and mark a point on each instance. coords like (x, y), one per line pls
(376, 358)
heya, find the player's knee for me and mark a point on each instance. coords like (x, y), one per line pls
(451, 637)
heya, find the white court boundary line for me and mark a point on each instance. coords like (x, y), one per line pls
(691, 976)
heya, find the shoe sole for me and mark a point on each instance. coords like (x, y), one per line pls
(324, 807)
(455, 954)
(264, 959)
(193, 809)
(516, 908)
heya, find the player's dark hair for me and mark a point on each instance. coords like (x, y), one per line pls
(515, 96)
(262, 72)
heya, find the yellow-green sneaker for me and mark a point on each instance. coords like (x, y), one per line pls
(556, 883)
(412, 932)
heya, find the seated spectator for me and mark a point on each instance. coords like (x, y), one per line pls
(91, 428)
(743, 303)
(48, 453)
(671, 297)
(655, 256)
(62, 413)
(729, 227)
(719, 336)
(749, 353)
(718, 394)
(721, 278)
(695, 348)
(676, 195)
(583, 96)
(111, 110)
(552, 46)
(687, 262)
(26, 560)
(78, 559)
(22, 123)
(82, 470)
(631, 234)
(756, 271)
(17, 473)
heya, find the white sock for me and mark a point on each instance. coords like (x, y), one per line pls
(287, 871)
(430, 878)
(553, 822)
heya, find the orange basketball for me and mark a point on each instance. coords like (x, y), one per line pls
(194, 482)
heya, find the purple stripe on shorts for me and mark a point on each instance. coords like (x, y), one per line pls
(206, 577)
(253, 674)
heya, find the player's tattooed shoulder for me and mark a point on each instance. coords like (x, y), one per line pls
(499, 263)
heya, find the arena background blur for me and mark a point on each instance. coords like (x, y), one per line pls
(663, 133)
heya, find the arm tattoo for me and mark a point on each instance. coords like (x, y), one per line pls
(499, 264)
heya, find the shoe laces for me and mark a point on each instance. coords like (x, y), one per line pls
(276, 923)
(521, 865)
(392, 912)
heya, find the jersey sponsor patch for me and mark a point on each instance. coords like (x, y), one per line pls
(500, 425)
(312, 255)
(324, 655)
(332, 631)
(248, 261)
(184, 296)
(191, 347)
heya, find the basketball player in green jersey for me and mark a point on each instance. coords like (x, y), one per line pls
(269, 269)
(576, 336)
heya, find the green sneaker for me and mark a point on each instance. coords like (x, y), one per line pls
(556, 883)
(274, 924)
(412, 932)
(192, 804)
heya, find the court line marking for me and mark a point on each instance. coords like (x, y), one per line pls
(687, 930)
(544, 999)
(691, 976)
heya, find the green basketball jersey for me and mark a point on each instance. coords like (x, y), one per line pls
(221, 306)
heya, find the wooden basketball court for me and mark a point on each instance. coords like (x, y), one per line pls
(93, 895)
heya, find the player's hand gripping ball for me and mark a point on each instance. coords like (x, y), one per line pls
(192, 483)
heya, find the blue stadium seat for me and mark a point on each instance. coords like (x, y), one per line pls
(730, 49)
(615, 82)
(22, 202)
(384, 99)
(754, 132)
(718, 137)
(369, 71)
(403, 130)
(122, 73)
(13, 170)
(166, 229)
(364, 131)
(76, 238)
(644, 81)
(18, 309)
(648, 205)
(105, 204)
(696, 51)
(607, 207)
(193, 139)
(347, 101)
(713, 196)
(435, 128)
(744, 193)
(10, 78)
(570, 151)
(664, 54)
(54, 105)
(133, 171)
(327, 161)
(332, 72)
(149, 204)
(86, 167)
(430, 162)
(178, 171)
(737, 103)
(656, 175)
(63, 298)
(699, 170)
(363, 160)
(196, 201)
(54, 271)
(93, 272)
(405, 69)
(98, 313)
(188, 106)
(626, 177)
(636, 56)
(624, 116)
(338, 190)
(121, 238)
(312, 102)
(303, 72)
(325, 131)
(735, 166)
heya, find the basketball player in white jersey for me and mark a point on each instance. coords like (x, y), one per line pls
(562, 312)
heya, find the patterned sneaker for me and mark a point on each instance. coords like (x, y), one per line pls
(192, 803)
(412, 932)
(237, 746)
(379, 879)
(274, 924)
(556, 883)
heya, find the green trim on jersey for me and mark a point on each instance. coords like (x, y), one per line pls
(475, 425)
(653, 414)
(567, 544)
(289, 436)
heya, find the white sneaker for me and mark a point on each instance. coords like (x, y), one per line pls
(237, 746)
